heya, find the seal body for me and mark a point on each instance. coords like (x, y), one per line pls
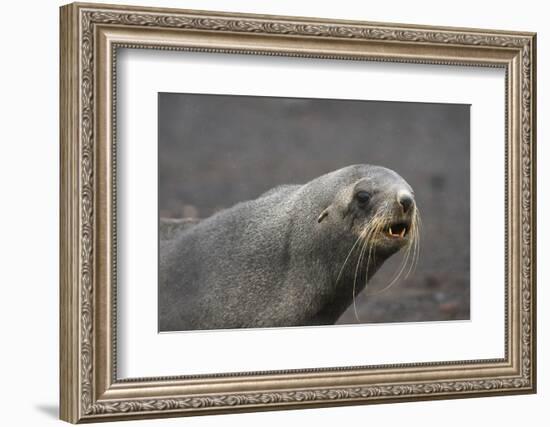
(294, 256)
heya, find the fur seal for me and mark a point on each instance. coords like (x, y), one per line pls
(295, 256)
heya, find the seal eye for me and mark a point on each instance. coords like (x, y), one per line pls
(362, 197)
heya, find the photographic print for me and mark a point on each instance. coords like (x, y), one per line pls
(281, 212)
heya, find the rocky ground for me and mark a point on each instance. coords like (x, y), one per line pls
(215, 151)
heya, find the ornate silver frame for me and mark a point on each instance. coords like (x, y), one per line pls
(90, 36)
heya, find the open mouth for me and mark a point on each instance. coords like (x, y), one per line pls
(397, 230)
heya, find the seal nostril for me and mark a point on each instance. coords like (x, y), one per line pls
(406, 201)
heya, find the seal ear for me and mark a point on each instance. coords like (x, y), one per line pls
(323, 215)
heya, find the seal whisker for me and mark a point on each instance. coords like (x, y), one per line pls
(370, 230)
(350, 252)
(415, 237)
(396, 277)
(412, 246)
(376, 226)
(366, 239)
(359, 261)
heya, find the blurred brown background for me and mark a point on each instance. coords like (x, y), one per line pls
(217, 150)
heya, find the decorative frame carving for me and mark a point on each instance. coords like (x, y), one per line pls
(90, 36)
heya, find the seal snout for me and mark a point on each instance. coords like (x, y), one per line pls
(405, 199)
(399, 228)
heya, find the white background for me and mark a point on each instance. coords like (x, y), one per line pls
(29, 214)
(143, 352)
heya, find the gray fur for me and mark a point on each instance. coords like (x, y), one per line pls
(170, 228)
(268, 262)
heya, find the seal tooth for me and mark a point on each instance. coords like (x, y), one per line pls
(389, 231)
(402, 234)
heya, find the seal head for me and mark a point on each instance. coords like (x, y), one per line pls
(381, 199)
